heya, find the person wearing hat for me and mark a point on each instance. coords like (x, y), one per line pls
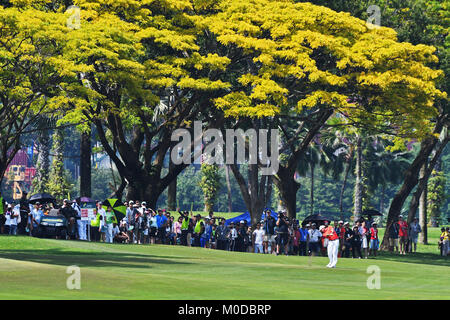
(161, 222)
(340, 230)
(403, 234)
(347, 241)
(233, 236)
(374, 242)
(304, 238)
(269, 230)
(222, 233)
(329, 233)
(241, 235)
(36, 215)
(393, 237)
(130, 220)
(355, 240)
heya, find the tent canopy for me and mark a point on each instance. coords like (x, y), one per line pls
(246, 217)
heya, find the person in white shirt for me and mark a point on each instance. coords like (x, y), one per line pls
(258, 238)
(81, 224)
(8, 214)
(314, 238)
(233, 236)
(14, 215)
(102, 227)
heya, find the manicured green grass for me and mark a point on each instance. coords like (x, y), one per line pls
(32, 268)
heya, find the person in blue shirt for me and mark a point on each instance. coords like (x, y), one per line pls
(36, 215)
(303, 243)
(206, 235)
(161, 222)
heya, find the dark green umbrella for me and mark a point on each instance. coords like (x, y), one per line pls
(118, 207)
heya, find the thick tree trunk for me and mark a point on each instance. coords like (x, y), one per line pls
(311, 196)
(344, 184)
(172, 193)
(227, 178)
(256, 192)
(358, 194)
(410, 181)
(288, 188)
(85, 165)
(423, 236)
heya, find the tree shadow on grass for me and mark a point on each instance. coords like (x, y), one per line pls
(66, 257)
(418, 257)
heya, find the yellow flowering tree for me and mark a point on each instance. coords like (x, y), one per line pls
(300, 64)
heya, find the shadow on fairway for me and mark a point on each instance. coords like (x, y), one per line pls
(88, 259)
(418, 257)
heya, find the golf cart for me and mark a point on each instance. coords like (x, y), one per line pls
(53, 225)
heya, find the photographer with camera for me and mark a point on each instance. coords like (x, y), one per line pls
(282, 232)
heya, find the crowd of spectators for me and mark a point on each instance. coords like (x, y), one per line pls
(143, 225)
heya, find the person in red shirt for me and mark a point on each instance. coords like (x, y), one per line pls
(402, 234)
(333, 244)
(374, 242)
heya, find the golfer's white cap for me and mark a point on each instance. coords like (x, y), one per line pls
(340, 221)
(242, 221)
(321, 228)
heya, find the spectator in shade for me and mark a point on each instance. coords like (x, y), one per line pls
(403, 234)
(222, 233)
(269, 229)
(414, 230)
(161, 222)
(374, 242)
(233, 237)
(348, 233)
(355, 240)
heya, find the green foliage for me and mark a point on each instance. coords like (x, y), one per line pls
(58, 181)
(210, 184)
(436, 198)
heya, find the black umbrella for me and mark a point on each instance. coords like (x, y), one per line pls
(371, 212)
(84, 199)
(315, 218)
(42, 198)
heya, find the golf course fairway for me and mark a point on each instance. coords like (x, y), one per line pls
(32, 268)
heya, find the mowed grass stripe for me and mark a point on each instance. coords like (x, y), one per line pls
(35, 269)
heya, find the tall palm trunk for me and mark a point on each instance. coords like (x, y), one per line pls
(227, 178)
(344, 184)
(358, 195)
(85, 165)
(423, 236)
(311, 196)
